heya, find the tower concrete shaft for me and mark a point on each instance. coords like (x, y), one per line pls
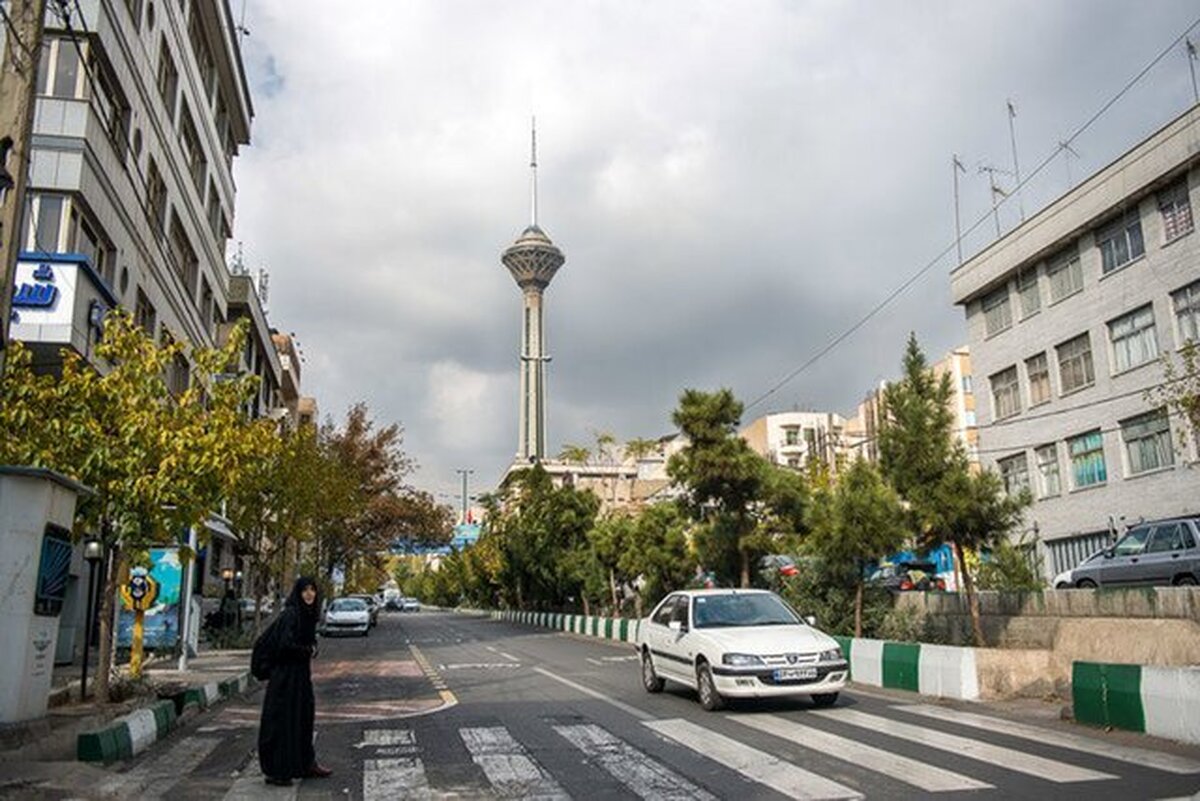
(532, 261)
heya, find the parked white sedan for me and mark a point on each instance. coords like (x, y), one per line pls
(738, 644)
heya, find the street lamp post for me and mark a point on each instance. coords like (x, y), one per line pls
(93, 552)
(226, 618)
(237, 582)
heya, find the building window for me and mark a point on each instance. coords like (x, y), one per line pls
(1121, 242)
(143, 314)
(156, 198)
(168, 78)
(206, 303)
(1087, 460)
(1133, 339)
(791, 436)
(193, 154)
(967, 386)
(135, 12)
(997, 312)
(1006, 393)
(1065, 275)
(1075, 364)
(1176, 210)
(1049, 483)
(1037, 372)
(83, 239)
(204, 59)
(1187, 312)
(184, 256)
(44, 222)
(1030, 294)
(59, 73)
(1148, 442)
(1014, 472)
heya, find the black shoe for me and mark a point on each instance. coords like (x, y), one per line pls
(279, 782)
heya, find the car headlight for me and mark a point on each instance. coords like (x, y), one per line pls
(832, 655)
(741, 660)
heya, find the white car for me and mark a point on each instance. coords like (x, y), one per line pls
(410, 604)
(738, 644)
(1066, 579)
(347, 616)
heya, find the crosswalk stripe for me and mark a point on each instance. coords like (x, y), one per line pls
(910, 771)
(400, 777)
(507, 765)
(163, 771)
(792, 781)
(251, 787)
(1007, 758)
(645, 777)
(1170, 763)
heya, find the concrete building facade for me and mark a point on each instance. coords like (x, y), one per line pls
(793, 439)
(1068, 317)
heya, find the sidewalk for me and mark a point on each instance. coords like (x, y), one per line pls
(42, 755)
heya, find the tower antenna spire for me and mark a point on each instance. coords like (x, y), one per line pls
(533, 170)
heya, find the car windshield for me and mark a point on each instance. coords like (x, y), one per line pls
(347, 605)
(742, 609)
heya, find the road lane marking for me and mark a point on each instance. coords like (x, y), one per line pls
(388, 779)
(380, 737)
(163, 771)
(1171, 763)
(910, 771)
(624, 707)
(595, 661)
(476, 665)
(508, 766)
(509, 657)
(435, 678)
(764, 768)
(645, 777)
(1007, 758)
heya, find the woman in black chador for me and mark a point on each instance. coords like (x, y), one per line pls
(285, 736)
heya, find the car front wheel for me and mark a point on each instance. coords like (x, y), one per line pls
(710, 699)
(822, 700)
(650, 679)
(1185, 581)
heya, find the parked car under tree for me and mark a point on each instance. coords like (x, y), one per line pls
(1164, 552)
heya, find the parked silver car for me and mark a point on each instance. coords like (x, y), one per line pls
(1159, 552)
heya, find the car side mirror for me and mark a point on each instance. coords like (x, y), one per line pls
(677, 626)
(810, 620)
(1109, 553)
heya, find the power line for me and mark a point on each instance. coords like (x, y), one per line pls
(974, 226)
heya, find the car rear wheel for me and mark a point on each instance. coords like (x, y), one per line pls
(710, 699)
(1086, 584)
(822, 700)
(1185, 581)
(650, 679)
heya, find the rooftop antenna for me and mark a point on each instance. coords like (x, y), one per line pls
(996, 191)
(241, 28)
(1192, 56)
(239, 265)
(1012, 135)
(1067, 151)
(264, 286)
(533, 170)
(956, 167)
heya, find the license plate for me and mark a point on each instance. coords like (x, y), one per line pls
(795, 674)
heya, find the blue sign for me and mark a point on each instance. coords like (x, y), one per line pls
(43, 273)
(35, 296)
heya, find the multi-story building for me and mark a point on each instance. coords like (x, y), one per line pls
(957, 364)
(1068, 316)
(793, 439)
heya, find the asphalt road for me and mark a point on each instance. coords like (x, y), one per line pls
(441, 705)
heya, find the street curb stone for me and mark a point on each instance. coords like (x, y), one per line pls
(131, 734)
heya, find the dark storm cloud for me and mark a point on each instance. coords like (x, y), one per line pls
(733, 184)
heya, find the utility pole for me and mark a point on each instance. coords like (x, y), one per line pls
(464, 474)
(23, 23)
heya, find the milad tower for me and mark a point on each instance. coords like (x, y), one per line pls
(532, 261)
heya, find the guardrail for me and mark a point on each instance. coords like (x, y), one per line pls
(1163, 701)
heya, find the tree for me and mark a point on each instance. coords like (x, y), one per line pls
(1180, 389)
(576, 454)
(860, 520)
(722, 476)
(639, 448)
(656, 556)
(159, 462)
(948, 500)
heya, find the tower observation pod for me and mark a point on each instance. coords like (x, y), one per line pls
(532, 261)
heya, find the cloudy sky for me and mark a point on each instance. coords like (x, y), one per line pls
(734, 184)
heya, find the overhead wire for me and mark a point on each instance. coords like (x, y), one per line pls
(982, 220)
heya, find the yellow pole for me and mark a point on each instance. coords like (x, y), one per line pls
(135, 646)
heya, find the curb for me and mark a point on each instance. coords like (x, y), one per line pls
(131, 734)
(614, 629)
(1161, 701)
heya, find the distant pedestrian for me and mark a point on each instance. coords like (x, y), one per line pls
(285, 735)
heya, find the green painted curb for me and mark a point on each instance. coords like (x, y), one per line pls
(1108, 695)
(845, 644)
(624, 630)
(900, 666)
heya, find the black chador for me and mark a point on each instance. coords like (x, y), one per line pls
(285, 736)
